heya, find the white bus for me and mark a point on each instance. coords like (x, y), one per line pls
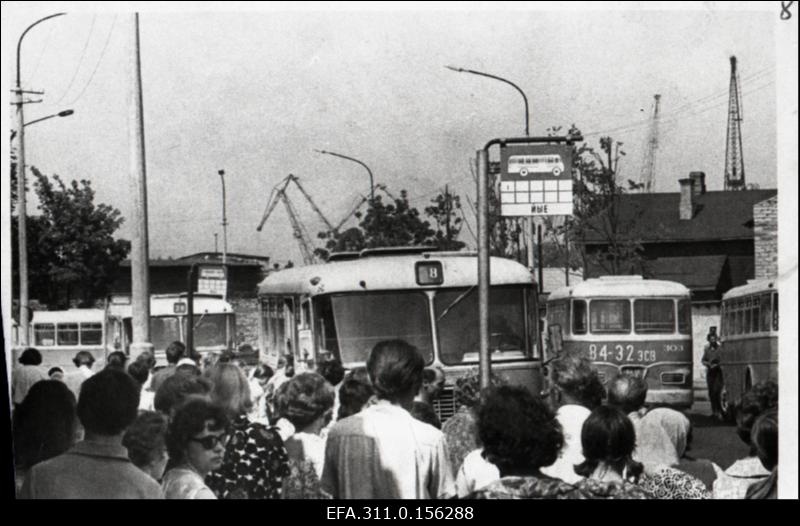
(60, 334)
(749, 337)
(344, 307)
(214, 323)
(626, 324)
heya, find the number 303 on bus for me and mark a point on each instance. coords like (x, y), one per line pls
(621, 353)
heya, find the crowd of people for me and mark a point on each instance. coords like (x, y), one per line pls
(212, 429)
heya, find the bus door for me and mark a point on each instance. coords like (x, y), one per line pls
(305, 334)
(278, 328)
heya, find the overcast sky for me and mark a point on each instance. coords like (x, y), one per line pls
(255, 92)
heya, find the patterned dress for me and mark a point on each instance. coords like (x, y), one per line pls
(670, 483)
(596, 489)
(528, 488)
(254, 465)
(461, 433)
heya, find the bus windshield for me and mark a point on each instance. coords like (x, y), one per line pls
(654, 316)
(210, 330)
(362, 320)
(457, 312)
(164, 330)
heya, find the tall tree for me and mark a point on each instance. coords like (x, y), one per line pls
(72, 251)
(444, 211)
(398, 224)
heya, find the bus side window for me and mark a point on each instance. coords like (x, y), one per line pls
(44, 334)
(91, 333)
(756, 315)
(579, 317)
(685, 317)
(766, 313)
(67, 334)
(738, 315)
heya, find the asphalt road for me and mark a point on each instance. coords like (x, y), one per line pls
(712, 439)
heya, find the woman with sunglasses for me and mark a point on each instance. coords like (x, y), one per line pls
(196, 442)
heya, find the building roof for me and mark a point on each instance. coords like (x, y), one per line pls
(188, 260)
(621, 286)
(695, 272)
(719, 216)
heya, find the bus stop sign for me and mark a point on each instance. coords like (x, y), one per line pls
(212, 279)
(536, 180)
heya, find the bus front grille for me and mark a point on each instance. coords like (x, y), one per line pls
(445, 405)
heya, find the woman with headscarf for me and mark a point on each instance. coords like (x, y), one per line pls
(661, 458)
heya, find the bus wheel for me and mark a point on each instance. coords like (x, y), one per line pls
(725, 405)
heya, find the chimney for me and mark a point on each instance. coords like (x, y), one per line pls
(698, 184)
(686, 206)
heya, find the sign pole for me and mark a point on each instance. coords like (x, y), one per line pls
(482, 160)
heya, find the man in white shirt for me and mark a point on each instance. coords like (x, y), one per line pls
(383, 452)
(576, 390)
(83, 361)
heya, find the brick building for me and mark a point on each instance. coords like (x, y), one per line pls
(245, 272)
(708, 241)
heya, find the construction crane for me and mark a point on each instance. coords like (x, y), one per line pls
(279, 194)
(299, 231)
(734, 158)
(648, 177)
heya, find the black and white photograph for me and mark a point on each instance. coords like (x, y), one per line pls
(446, 252)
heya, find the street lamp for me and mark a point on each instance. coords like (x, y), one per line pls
(22, 210)
(371, 181)
(529, 223)
(65, 113)
(501, 79)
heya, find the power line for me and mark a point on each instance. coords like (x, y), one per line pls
(41, 54)
(80, 62)
(102, 54)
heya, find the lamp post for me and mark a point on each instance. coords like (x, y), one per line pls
(224, 221)
(22, 211)
(65, 113)
(371, 180)
(528, 225)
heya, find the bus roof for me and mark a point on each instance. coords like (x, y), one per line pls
(389, 272)
(752, 286)
(627, 286)
(164, 305)
(69, 316)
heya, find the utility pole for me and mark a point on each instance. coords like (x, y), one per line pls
(216, 249)
(224, 222)
(140, 277)
(22, 207)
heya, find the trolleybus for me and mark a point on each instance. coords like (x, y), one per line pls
(61, 334)
(342, 308)
(749, 337)
(214, 323)
(630, 325)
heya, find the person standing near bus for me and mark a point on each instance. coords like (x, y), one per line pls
(711, 359)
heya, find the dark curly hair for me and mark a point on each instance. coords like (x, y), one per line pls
(395, 369)
(518, 431)
(627, 392)
(30, 356)
(354, 392)
(146, 438)
(331, 370)
(307, 397)
(176, 388)
(190, 419)
(575, 376)
(139, 371)
(44, 423)
(108, 402)
(608, 436)
(760, 398)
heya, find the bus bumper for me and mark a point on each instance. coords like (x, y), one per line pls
(670, 397)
